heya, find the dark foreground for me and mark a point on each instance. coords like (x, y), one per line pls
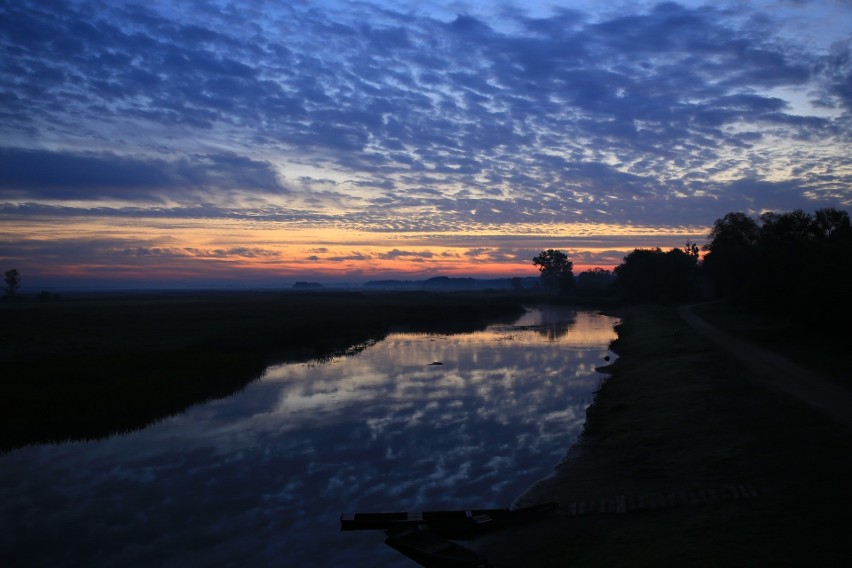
(88, 367)
(757, 478)
(679, 416)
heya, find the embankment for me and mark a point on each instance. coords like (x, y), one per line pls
(679, 414)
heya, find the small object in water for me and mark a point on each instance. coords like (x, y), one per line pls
(436, 363)
(606, 358)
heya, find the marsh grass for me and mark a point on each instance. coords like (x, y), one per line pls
(90, 366)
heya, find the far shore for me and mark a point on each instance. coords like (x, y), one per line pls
(679, 415)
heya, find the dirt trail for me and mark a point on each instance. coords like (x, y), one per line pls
(780, 373)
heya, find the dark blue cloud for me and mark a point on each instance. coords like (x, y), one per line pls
(836, 72)
(34, 174)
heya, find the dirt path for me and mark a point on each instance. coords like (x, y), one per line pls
(780, 373)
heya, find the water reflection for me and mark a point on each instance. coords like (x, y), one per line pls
(260, 478)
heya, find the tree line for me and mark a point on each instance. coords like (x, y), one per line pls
(792, 263)
(795, 264)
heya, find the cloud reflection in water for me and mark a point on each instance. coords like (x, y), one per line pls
(260, 478)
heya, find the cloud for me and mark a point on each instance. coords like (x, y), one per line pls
(835, 70)
(43, 174)
(194, 252)
(354, 256)
(408, 255)
(87, 250)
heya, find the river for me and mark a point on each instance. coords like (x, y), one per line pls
(409, 423)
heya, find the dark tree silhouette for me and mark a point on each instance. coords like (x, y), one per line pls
(734, 229)
(832, 224)
(730, 254)
(556, 270)
(788, 264)
(651, 275)
(786, 229)
(596, 280)
(12, 278)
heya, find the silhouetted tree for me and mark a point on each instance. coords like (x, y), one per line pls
(734, 229)
(788, 264)
(639, 276)
(832, 224)
(653, 275)
(730, 254)
(556, 270)
(596, 280)
(777, 270)
(786, 229)
(824, 286)
(12, 278)
(691, 249)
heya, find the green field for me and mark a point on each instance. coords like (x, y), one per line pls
(86, 367)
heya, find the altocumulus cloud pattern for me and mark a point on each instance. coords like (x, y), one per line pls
(408, 117)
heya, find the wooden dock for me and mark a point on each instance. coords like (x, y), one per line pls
(622, 504)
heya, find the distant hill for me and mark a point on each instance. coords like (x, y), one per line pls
(308, 286)
(446, 283)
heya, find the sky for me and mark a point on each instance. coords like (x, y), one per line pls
(252, 143)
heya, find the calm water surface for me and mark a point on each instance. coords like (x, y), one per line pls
(260, 478)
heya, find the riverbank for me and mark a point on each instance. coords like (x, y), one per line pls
(680, 415)
(88, 366)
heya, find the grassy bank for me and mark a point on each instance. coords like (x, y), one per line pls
(679, 414)
(89, 366)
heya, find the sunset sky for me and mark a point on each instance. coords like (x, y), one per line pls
(160, 144)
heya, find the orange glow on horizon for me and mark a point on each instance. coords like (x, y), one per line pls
(155, 249)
